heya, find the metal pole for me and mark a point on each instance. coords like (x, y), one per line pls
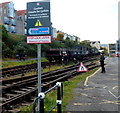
(39, 74)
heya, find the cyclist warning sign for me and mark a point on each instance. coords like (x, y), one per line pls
(38, 23)
(82, 68)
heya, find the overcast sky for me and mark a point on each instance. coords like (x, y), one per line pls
(95, 20)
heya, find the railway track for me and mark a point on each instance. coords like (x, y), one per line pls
(12, 71)
(16, 90)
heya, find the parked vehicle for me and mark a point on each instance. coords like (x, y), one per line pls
(117, 54)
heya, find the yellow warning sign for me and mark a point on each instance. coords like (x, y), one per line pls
(38, 23)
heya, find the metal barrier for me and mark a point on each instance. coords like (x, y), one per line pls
(41, 96)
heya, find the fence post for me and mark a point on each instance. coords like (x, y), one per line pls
(59, 101)
(42, 106)
(42, 96)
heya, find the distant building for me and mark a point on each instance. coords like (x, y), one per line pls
(54, 33)
(118, 45)
(65, 36)
(21, 22)
(95, 44)
(112, 49)
(7, 14)
(75, 38)
(104, 46)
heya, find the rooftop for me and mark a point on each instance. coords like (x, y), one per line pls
(21, 12)
(4, 4)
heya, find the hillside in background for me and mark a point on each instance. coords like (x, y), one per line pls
(12, 44)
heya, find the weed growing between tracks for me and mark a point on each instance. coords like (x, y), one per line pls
(57, 66)
(69, 86)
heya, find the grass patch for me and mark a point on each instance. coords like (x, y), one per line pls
(18, 63)
(12, 64)
(69, 86)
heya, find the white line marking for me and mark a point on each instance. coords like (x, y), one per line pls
(115, 87)
(85, 83)
(114, 95)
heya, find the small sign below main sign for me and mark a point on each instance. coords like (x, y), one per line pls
(38, 39)
(82, 68)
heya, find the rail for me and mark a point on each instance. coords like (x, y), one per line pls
(14, 93)
(41, 97)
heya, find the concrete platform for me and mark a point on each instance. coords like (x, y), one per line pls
(99, 92)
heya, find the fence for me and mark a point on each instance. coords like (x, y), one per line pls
(41, 97)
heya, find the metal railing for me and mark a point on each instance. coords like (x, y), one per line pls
(41, 97)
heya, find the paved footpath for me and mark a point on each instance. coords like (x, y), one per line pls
(99, 92)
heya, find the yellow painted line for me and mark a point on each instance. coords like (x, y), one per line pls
(110, 102)
(103, 102)
(84, 94)
(89, 88)
(105, 87)
(82, 104)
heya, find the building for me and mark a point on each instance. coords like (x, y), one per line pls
(111, 49)
(95, 44)
(14, 21)
(21, 22)
(65, 36)
(104, 46)
(118, 45)
(54, 33)
(7, 14)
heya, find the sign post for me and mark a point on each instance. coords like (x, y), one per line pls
(38, 30)
(39, 73)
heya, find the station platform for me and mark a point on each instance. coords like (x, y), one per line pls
(99, 93)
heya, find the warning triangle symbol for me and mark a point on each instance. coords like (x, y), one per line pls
(38, 23)
(82, 68)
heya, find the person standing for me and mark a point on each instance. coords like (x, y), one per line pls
(102, 58)
(65, 59)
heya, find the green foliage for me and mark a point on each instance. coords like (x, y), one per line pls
(60, 36)
(12, 44)
(85, 43)
(13, 63)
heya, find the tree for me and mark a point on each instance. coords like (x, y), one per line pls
(85, 43)
(60, 36)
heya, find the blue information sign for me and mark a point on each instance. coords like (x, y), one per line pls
(38, 31)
